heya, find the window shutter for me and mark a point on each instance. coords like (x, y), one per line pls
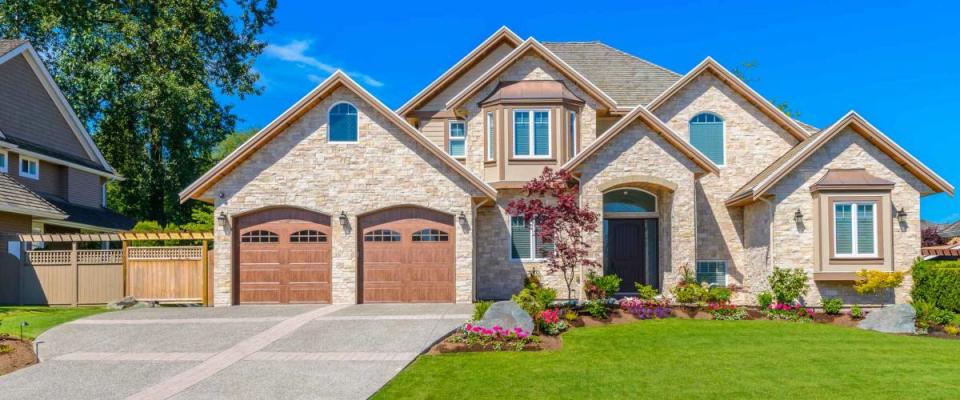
(865, 229)
(712, 272)
(521, 134)
(541, 131)
(844, 228)
(706, 134)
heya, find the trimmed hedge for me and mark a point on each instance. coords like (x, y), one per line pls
(937, 282)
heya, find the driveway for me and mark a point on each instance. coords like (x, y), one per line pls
(243, 352)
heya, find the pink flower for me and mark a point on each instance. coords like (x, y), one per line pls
(468, 326)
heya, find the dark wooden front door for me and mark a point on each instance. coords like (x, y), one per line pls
(407, 256)
(631, 246)
(283, 256)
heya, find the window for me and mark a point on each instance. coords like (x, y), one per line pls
(854, 229)
(259, 236)
(491, 138)
(308, 236)
(343, 123)
(458, 139)
(381, 235)
(572, 129)
(29, 167)
(103, 195)
(430, 235)
(629, 201)
(706, 134)
(523, 240)
(531, 142)
(712, 272)
(3, 161)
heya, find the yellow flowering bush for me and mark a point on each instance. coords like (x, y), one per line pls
(869, 281)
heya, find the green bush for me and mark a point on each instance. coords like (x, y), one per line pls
(480, 308)
(597, 309)
(929, 314)
(764, 300)
(645, 292)
(685, 293)
(719, 294)
(937, 282)
(832, 306)
(601, 286)
(856, 312)
(788, 284)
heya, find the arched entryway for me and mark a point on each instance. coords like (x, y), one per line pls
(631, 237)
(407, 255)
(283, 255)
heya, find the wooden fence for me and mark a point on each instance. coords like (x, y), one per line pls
(81, 277)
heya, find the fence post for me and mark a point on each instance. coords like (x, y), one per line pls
(22, 259)
(123, 264)
(75, 271)
(206, 270)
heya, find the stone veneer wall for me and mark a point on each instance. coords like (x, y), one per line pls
(795, 248)
(385, 168)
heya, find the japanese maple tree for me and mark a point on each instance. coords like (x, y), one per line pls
(930, 236)
(551, 203)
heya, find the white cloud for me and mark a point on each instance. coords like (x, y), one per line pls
(295, 51)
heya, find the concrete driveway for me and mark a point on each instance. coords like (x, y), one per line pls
(244, 352)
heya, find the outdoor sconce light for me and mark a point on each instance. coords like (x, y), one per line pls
(343, 218)
(798, 217)
(902, 216)
(462, 218)
(222, 218)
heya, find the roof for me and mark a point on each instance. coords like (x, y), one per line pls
(99, 217)
(16, 198)
(946, 250)
(758, 186)
(292, 114)
(37, 148)
(531, 90)
(949, 231)
(7, 45)
(709, 65)
(531, 45)
(850, 179)
(640, 112)
(628, 79)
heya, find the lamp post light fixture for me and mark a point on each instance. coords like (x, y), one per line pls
(798, 217)
(343, 218)
(902, 216)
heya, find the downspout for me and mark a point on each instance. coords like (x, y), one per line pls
(473, 233)
(771, 212)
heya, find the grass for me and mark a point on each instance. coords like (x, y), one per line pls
(40, 318)
(695, 359)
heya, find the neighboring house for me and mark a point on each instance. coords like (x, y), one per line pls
(948, 231)
(52, 176)
(343, 200)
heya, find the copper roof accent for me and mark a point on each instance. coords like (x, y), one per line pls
(524, 91)
(857, 178)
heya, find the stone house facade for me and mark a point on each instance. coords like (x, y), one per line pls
(344, 200)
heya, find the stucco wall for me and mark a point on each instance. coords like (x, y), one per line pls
(385, 168)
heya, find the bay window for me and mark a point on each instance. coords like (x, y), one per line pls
(531, 133)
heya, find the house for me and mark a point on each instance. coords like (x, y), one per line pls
(52, 176)
(342, 200)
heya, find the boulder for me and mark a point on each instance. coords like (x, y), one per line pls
(507, 315)
(123, 303)
(898, 318)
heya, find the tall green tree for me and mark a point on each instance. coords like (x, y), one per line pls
(145, 76)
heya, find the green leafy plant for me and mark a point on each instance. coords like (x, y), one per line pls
(872, 282)
(534, 298)
(597, 309)
(5, 348)
(601, 286)
(764, 300)
(788, 285)
(832, 306)
(719, 294)
(856, 312)
(689, 293)
(937, 282)
(727, 312)
(645, 292)
(570, 315)
(480, 308)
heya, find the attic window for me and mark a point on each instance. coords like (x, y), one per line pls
(29, 167)
(706, 134)
(343, 123)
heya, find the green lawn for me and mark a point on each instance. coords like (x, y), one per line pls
(40, 318)
(695, 359)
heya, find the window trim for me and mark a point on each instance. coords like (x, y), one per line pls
(5, 167)
(34, 176)
(513, 124)
(450, 137)
(533, 242)
(723, 135)
(330, 126)
(854, 221)
(726, 270)
(491, 131)
(572, 134)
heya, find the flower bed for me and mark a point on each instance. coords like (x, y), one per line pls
(781, 311)
(471, 337)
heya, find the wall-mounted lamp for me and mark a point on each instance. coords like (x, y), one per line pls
(343, 218)
(462, 218)
(902, 216)
(220, 195)
(798, 217)
(222, 218)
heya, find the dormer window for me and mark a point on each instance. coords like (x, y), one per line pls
(29, 167)
(531, 133)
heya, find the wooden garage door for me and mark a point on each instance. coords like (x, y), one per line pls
(283, 257)
(407, 256)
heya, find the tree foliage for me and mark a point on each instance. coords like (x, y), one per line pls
(930, 236)
(144, 77)
(551, 203)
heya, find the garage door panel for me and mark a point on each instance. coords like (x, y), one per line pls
(429, 294)
(308, 274)
(309, 256)
(380, 275)
(306, 294)
(257, 294)
(427, 274)
(430, 255)
(380, 254)
(260, 275)
(271, 256)
(377, 294)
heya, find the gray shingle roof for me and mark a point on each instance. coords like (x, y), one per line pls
(626, 78)
(15, 196)
(6, 45)
(94, 216)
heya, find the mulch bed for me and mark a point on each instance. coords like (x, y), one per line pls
(546, 343)
(20, 355)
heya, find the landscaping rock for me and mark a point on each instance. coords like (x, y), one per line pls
(898, 318)
(507, 315)
(123, 303)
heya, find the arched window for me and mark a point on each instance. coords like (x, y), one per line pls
(343, 123)
(259, 236)
(629, 201)
(706, 134)
(381, 235)
(430, 235)
(308, 236)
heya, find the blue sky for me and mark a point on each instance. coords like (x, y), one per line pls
(895, 64)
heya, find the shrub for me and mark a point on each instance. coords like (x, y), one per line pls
(530, 300)
(929, 314)
(832, 306)
(596, 309)
(719, 294)
(869, 281)
(727, 312)
(952, 330)
(764, 300)
(645, 309)
(480, 308)
(937, 282)
(689, 293)
(956, 320)
(570, 315)
(787, 312)
(550, 322)
(856, 312)
(601, 286)
(645, 292)
(788, 285)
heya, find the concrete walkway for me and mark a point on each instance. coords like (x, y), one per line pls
(246, 352)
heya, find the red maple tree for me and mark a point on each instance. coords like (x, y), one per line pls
(552, 205)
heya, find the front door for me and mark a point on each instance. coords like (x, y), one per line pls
(631, 251)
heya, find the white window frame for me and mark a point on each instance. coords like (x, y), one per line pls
(533, 243)
(103, 195)
(854, 234)
(36, 175)
(572, 127)
(330, 126)
(726, 270)
(531, 134)
(5, 167)
(451, 138)
(491, 137)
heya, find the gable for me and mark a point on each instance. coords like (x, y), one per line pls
(639, 150)
(437, 102)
